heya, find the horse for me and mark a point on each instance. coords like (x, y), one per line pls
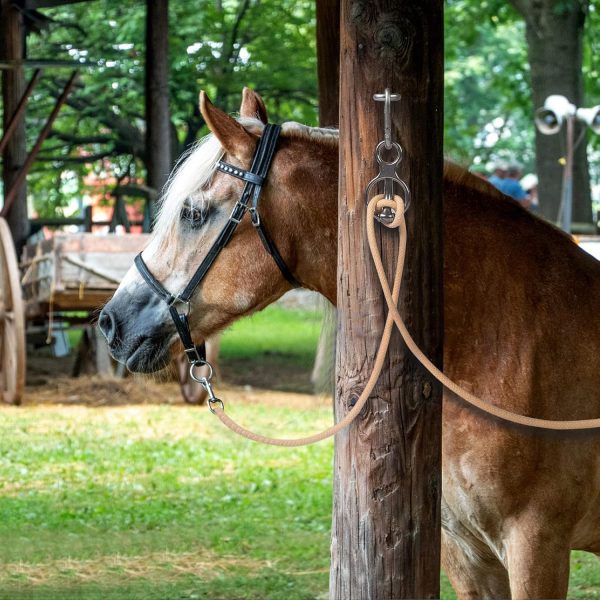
(521, 331)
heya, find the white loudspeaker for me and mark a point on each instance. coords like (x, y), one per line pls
(550, 117)
(591, 116)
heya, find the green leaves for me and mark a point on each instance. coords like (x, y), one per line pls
(216, 46)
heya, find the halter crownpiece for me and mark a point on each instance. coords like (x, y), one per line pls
(248, 202)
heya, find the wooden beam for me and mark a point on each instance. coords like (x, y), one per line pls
(328, 61)
(35, 4)
(40, 63)
(387, 473)
(16, 116)
(12, 41)
(19, 179)
(158, 131)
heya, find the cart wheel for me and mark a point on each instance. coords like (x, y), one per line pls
(12, 322)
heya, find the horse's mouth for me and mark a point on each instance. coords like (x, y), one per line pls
(151, 355)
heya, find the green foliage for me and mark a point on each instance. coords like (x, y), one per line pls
(215, 46)
(488, 107)
(222, 45)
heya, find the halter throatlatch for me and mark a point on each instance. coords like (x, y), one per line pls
(179, 305)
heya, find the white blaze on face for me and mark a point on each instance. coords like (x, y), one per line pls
(194, 170)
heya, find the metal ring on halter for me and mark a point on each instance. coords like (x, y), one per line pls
(179, 301)
(201, 378)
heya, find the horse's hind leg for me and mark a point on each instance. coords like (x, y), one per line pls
(538, 563)
(473, 570)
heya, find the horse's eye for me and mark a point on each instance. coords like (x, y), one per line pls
(194, 216)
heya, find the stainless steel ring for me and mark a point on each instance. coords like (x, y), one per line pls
(215, 401)
(396, 146)
(201, 378)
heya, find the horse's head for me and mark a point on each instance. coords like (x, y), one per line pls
(297, 205)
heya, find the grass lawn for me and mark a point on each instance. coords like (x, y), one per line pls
(157, 502)
(160, 502)
(273, 349)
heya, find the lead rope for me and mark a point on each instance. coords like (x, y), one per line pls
(377, 367)
(391, 297)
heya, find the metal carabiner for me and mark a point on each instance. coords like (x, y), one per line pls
(388, 175)
(388, 98)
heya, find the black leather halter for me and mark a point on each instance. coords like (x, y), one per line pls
(248, 202)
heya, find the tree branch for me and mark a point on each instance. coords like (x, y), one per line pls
(76, 159)
(74, 139)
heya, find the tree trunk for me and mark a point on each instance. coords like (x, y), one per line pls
(158, 128)
(13, 86)
(387, 470)
(555, 48)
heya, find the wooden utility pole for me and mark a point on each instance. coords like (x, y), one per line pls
(328, 61)
(12, 34)
(158, 128)
(387, 479)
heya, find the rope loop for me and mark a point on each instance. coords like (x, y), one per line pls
(397, 204)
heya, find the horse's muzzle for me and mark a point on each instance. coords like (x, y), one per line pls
(137, 329)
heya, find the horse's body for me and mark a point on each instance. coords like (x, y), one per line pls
(521, 331)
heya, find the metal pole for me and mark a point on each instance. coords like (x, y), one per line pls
(567, 192)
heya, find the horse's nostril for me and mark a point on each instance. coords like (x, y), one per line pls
(108, 325)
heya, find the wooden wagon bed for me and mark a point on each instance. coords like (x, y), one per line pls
(68, 274)
(75, 271)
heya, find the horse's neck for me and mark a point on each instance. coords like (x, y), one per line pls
(317, 218)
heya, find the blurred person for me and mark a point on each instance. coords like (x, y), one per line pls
(511, 187)
(498, 175)
(530, 184)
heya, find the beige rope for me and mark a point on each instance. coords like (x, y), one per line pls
(394, 317)
(445, 381)
(377, 367)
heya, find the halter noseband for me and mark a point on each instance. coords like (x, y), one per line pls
(255, 179)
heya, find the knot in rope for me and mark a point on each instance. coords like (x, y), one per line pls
(395, 204)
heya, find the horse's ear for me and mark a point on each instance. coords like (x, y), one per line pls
(233, 137)
(253, 106)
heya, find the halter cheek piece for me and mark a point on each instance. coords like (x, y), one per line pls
(255, 179)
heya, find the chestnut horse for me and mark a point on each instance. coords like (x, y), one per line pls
(522, 331)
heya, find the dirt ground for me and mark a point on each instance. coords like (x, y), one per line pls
(49, 381)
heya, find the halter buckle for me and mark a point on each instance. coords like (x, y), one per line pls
(254, 216)
(195, 359)
(237, 205)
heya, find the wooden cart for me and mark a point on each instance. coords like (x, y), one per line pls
(71, 272)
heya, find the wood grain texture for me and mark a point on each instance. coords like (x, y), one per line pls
(12, 47)
(328, 61)
(387, 474)
(158, 136)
